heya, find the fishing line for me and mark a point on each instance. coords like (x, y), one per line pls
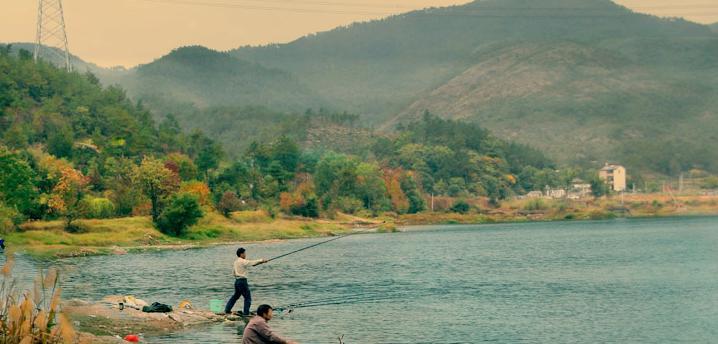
(310, 246)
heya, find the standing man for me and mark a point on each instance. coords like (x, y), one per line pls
(241, 287)
(258, 331)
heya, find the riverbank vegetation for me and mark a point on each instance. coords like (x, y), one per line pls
(84, 168)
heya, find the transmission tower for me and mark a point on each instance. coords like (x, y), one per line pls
(51, 41)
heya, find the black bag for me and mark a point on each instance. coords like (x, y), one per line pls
(157, 307)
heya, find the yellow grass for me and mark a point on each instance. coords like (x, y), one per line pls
(47, 238)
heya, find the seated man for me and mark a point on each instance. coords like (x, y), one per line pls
(258, 331)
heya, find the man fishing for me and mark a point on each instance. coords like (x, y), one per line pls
(258, 331)
(241, 287)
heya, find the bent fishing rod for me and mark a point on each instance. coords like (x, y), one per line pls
(308, 247)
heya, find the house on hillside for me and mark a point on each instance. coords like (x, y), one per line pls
(614, 176)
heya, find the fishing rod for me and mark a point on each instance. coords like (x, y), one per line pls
(308, 247)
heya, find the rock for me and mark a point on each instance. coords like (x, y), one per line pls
(106, 318)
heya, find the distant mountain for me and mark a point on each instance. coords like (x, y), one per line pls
(378, 67)
(714, 27)
(205, 77)
(583, 103)
(109, 75)
(586, 80)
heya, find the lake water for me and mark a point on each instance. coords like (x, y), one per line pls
(619, 281)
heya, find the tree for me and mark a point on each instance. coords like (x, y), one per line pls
(60, 142)
(183, 165)
(119, 180)
(156, 182)
(399, 201)
(66, 197)
(461, 207)
(370, 187)
(199, 189)
(416, 202)
(599, 188)
(17, 183)
(229, 203)
(182, 212)
(287, 153)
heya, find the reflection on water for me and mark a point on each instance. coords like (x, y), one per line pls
(616, 281)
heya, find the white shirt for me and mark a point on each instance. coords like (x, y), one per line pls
(241, 265)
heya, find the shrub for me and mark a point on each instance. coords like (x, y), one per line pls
(98, 207)
(229, 203)
(9, 219)
(535, 204)
(461, 207)
(183, 211)
(348, 205)
(310, 208)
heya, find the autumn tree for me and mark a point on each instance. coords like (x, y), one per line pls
(67, 195)
(156, 182)
(228, 203)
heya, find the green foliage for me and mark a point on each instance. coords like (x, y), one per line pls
(156, 182)
(535, 205)
(9, 219)
(599, 188)
(118, 178)
(309, 208)
(98, 207)
(710, 183)
(348, 205)
(461, 207)
(182, 212)
(416, 202)
(17, 184)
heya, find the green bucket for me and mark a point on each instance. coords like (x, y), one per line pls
(216, 306)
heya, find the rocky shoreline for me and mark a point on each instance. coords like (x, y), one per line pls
(109, 323)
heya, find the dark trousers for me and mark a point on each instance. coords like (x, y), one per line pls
(241, 288)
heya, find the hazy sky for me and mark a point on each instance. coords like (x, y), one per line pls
(129, 32)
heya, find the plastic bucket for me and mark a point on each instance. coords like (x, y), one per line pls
(216, 306)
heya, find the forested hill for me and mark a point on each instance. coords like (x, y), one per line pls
(587, 81)
(70, 148)
(68, 112)
(378, 66)
(714, 27)
(205, 77)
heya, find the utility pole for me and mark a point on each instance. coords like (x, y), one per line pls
(51, 39)
(680, 183)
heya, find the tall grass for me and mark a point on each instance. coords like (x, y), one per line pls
(33, 317)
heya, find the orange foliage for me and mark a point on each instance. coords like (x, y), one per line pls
(393, 186)
(200, 189)
(68, 191)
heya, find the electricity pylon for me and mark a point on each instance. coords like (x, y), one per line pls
(51, 40)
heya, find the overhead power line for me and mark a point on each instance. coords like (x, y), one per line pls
(382, 10)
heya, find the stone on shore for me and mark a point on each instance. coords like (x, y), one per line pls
(105, 318)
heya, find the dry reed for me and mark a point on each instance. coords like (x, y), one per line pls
(33, 317)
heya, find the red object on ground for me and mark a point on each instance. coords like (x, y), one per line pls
(132, 338)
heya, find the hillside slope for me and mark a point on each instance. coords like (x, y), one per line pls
(581, 103)
(378, 67)
(205, 77)
(586, 80)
